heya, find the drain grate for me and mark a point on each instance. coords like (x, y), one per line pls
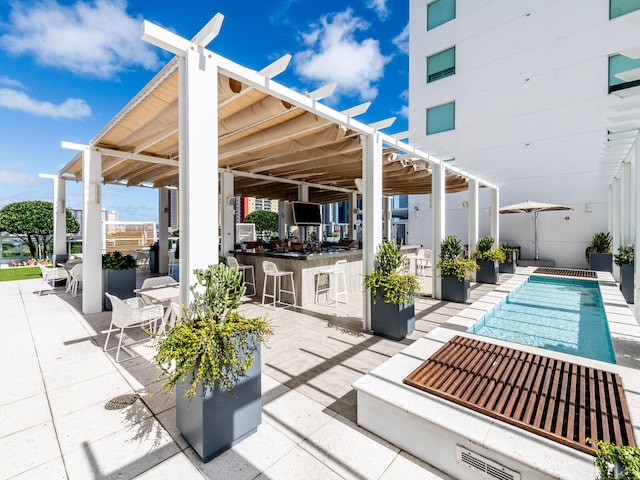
(121, 402)
(485, 467)
(566, 272)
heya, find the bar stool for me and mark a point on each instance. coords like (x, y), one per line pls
(232, 262)
(336, 275)
(270, 270)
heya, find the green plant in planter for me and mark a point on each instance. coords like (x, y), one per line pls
(451, 264)
(625, 255)
(507, 250)
(399, 288)
(484, 252)
(213, 341)
(117, 261)
(611, 457)
(600, 243)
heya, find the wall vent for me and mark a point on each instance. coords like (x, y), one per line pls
(480, 464)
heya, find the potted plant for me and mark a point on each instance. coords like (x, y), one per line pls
(212, 359)
(118, 276)
(599, 254)
(392, 293)
(455, 271)
(510, 259)
(488, 260)
(625, 260)
(616, 462)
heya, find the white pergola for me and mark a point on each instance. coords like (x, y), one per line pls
(215, 129)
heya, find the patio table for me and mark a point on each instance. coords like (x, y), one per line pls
(164, 294)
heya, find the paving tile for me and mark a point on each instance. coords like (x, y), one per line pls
(176, 467)
(19, 389)
(52, 470)
(67, 370)
(27, 449)
(122, 455)
(249, 458)
(156, 399)
(299, 464)
(349, 450)
(169, 423)
(406, 466)
(24, 414)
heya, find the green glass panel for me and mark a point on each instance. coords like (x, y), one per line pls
(441, 118)
(439, 12)
(622, 7)
(441, 64)
(620, 63)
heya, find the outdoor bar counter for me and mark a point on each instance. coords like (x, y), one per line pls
(304, 266)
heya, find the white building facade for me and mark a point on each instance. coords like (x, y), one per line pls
(519, 92)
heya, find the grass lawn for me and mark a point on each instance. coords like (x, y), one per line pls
(25, 273)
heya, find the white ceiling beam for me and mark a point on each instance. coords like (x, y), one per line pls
(136, 156)
(163, 38)
(277, 67)
(73, 146)
(209, 31)
(323, 92)
(157, 139)
(270, 178)
(356, 110)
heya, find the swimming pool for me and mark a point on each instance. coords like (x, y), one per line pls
(564, 315)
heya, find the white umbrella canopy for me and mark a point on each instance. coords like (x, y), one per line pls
(535, 208)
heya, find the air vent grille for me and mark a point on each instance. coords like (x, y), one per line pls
(480, 464)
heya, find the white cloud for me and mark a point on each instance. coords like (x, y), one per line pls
(97, 39)
(71, 108)
(402, 40)
(10, 176)
(333, 54)
(10, 82)
(380, 7)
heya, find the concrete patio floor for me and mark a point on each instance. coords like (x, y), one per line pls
(54, 425)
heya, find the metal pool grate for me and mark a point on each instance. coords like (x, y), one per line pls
(562, 401)
(485, 467)
(121, 401)
(566, 272)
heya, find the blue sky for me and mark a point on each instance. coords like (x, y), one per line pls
(67, 67)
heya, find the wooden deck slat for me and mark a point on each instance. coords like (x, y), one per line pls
(561, 401)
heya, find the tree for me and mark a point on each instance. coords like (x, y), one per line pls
(265, 222)
(32, 222)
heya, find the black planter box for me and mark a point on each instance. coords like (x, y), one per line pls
(120, 283)
(215, 420)
(487, 271)
(154, 264)
(601, 262)
(454, 290)
(390, 320)
(627, 280)
(508, 267)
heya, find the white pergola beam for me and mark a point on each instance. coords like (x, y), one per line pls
(323, 92)
(277, 67)
(379, 125)
(73, 146)
(209, 31)
(163, 38)
(356, 110)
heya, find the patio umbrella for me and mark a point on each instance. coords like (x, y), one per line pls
(535, 208)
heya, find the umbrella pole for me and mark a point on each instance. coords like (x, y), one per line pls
(535, 232)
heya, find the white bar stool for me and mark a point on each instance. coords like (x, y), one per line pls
(337, 275)
(232, 262)
(270, 270)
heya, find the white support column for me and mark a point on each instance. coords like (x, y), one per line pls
(303, 196)
(495, 216)
(371, 211)
(353, 215)
(636, 224)
(91, 231)
(228, 199)
(626, 224)
(473, 215)
(198, 123)
(59, 216)
(386, 231)
(437, 195)
(614, 220)
(163, 230)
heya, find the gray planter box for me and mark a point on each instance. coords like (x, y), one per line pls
(390, 320)
(215, 420)
(487, 271)
(509, 267)
(454, 290)
(120, 283)
(627, 282)
(601, 262)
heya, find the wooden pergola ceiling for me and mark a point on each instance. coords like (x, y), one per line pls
(258, 134)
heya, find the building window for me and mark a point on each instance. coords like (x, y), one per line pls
(441, 64)
(439, 12)
(619, 64)
(441, 118)
(618, 8)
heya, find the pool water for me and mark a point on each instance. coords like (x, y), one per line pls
(564, 315)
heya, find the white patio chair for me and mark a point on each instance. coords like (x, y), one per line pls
(336, 275)
(232, 262)
(171, 317)
(172, 261)
(156, 282)
(423, 261)
(76, 279)
(271, 270)
(131, 313)
(51, 275)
